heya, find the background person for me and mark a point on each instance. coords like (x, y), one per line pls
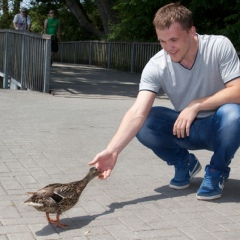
(52, 27)
(22, 20)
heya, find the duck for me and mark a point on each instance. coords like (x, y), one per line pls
(57, 198)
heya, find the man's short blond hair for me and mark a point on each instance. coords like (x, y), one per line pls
(171, 13)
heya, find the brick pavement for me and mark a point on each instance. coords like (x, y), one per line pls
(46, 139)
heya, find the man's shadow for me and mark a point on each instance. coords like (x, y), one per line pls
(231, 193)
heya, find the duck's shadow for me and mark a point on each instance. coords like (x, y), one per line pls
(231, 194)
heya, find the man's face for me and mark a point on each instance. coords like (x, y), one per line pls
(52, 14)
(23, 13)
(176, 41)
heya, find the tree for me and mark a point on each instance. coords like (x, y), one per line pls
(218, 17)
(107, 13)
(93, 16)
(70, 27)
(16, 6)
(135, 20)
(83, 19)
(4, 21)
(125, 20)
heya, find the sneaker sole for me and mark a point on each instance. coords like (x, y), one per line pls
(179, 187)
(208, 198)
(199, 167)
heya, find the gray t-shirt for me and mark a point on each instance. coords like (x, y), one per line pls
(216, 63)
(22, 21)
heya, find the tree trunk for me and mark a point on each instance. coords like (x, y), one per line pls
(106, 13)
(79, 12)
(5, 15)
(16, 6)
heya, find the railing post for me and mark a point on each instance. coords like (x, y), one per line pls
(133, 56)
(109, 54)
(61, 47)
(75, 53)
(47, 66)
(90, 52)
(22, 80)
(5, 79)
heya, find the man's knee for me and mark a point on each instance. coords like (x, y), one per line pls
(156, 128)
(229, 113)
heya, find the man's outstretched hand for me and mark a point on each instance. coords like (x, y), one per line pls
(105, 162)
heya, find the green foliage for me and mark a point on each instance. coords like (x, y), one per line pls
(218, 17)
(93, 13)
(210, 17)
(70, 29)
(6, 21)
(5, 15)
(135, 20)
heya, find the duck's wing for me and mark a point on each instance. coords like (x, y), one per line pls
(46, 194)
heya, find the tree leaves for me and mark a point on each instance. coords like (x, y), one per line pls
(128, 20)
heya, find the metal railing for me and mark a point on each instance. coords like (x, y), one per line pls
(126, 56)
(25, 57)
(25, 60)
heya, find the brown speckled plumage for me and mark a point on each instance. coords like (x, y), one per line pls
(57, 198)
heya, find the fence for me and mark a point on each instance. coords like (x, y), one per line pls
(25, 60)
(25, 57)
(124, 56)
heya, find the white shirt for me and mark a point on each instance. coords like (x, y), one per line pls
(21, 21)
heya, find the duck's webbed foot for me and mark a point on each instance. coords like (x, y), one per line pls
(56, 221)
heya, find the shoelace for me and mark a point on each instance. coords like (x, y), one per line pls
(209, 182)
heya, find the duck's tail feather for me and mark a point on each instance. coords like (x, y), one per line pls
(34, 204)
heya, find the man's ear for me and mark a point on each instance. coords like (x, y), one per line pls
(192, 31)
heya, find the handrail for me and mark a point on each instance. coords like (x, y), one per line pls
(126, 56)
(25, 60)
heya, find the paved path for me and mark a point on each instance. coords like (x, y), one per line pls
(48, 138)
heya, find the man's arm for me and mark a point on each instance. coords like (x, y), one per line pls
(132, 121)
(59, 30)
(128, 128)
(45, 26)
(15, 26)
(230, 94)
(28, 23)
(15, 22)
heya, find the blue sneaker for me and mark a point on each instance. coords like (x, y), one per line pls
(184, 172)
(212, 185)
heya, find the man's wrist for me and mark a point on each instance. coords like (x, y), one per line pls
(113, 149)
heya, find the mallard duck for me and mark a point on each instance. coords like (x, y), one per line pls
(59, 197)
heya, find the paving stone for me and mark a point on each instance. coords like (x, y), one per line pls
(51, 138)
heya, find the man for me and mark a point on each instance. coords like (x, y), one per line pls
(22, 20)
(52, 27)
(201, 76)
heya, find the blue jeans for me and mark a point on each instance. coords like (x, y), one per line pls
(219, 133)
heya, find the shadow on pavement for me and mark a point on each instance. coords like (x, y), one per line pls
(230, 194)
(74, 80)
